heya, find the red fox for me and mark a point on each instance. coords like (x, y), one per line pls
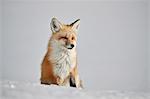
(59, 65)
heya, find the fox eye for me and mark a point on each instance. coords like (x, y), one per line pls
(64, 38)
(72, 38)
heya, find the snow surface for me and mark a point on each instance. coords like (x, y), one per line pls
(22, 90)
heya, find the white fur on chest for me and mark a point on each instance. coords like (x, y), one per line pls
(63, 60)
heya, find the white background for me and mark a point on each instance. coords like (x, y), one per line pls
(149, 41)
(112, 43)
(0, 38)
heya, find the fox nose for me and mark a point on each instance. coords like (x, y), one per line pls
(71, 46)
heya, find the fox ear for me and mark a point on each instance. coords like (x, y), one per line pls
(75, 25)
(55, 25)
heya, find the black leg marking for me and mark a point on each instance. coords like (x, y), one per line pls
(72, 82)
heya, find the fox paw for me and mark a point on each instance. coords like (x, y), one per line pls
(59, 80)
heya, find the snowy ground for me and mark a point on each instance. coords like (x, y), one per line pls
(19, 90)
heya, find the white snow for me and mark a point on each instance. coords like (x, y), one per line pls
(23, 90)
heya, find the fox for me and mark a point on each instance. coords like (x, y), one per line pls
(59, 65)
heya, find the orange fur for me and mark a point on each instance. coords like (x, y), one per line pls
(47, 76)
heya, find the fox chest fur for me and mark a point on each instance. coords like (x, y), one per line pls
(63, 60)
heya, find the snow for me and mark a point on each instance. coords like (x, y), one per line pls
(24, 90)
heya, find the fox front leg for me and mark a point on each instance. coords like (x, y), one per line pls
(74, 79)
(75, 82)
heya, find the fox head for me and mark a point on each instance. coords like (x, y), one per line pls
(64, 35)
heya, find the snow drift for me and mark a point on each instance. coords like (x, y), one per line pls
(20, 90)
